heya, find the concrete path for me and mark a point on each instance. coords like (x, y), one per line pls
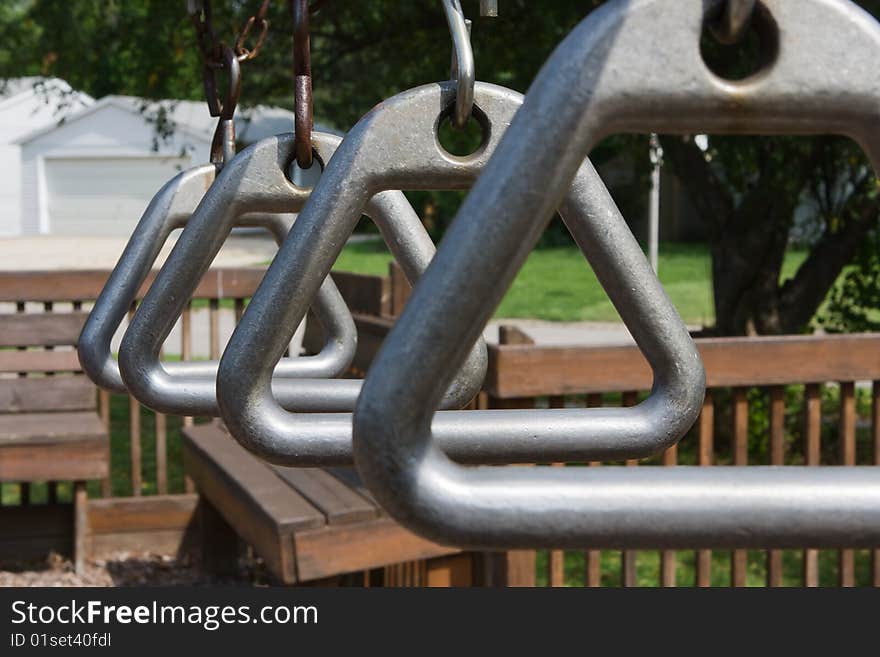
(60, 252)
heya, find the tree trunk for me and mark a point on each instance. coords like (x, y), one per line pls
(748, 241)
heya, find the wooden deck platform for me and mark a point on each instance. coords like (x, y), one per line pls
(306, 523)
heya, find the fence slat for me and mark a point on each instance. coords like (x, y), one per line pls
(847, 427)
(104, 403)
(777, 457)
(593, 558)
(706, 458)
(161, 453)
(134, 434)
(740, 410)
(668, 563)
(812, 456)
(186, 354)
(629, 558)
(556, 558)
(875, 431)
(214, 315)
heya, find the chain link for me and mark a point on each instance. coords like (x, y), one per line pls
(258, 21)
(210, 49)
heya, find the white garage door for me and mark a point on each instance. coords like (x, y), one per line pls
(103, 196)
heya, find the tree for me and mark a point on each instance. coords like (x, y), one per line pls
(753, 193)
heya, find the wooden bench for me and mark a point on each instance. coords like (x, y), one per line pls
(307, 524)
(50, 430)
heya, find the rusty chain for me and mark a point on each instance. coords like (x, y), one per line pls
(302, 70)
(215, 56)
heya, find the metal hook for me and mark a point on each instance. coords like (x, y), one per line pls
(625, 48)
(302, 70)
(223, 142)
(462, 63)
(733, 21)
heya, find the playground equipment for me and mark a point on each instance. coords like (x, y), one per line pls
(631, 66)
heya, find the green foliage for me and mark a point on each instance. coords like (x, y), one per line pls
(854, 304)
(557, 284)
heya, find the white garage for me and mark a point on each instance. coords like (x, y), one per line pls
(102, 195)
(95, 173)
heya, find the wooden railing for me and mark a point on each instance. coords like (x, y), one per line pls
(61, 291)
(784, 400)
(796, 400)
(805, 400)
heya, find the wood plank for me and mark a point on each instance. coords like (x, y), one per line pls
(593, 558)
(214, 328)
(340, 549)
(161, 454)
(668, 559)
(629, 558)
(50, 428)
(83, 459)
(39, 361)
(556, 558)
(117, 515)
(875, 434)
(134, 446)
(448, 572)
(705, 458)
(162, 524)
(812, 456)
(80, 526)
(400, 288)
(104, 397)
(79, 285)
(262, 509)
(364, 294)
(847, 432)
(528, 371)
(52, 285)
(349, 477)
(338, 502)
(43, 330)
(371, 333)
(740, 420)
(777, 457)
(55, 394)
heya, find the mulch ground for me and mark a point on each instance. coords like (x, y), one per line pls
(125, 569)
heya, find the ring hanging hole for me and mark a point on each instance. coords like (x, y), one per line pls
(753, 53)
(462, 142)
(306, 178)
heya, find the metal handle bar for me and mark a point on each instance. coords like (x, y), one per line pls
(463, 70)
(255, 181)
(171, 208)
(375, 157)
(632, 65)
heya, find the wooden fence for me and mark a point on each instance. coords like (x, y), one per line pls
(803, 392)
(784, 400)
(796, 400)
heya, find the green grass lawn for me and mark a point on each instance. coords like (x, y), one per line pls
(557, 284)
